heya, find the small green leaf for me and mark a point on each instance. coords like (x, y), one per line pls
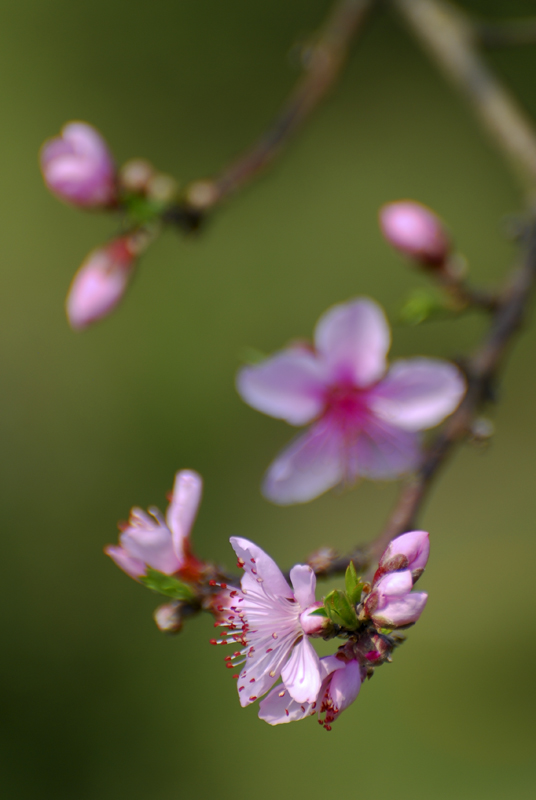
(340, 611)
(320, 612)
(167, 585)
(142, 209)
(250, 355)
(354, 586)
(423, 305)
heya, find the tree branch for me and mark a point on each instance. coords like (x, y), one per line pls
(323, 63)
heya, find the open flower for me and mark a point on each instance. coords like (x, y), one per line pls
(392, 604)
(78, 167)
(341, 682)
(149, 540)
(268, 617)
(366, 419)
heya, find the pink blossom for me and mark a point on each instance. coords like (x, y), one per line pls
(78, 167)
(392, 604)
(409, 551)
(416, 231)
(149, 540)
(341, 682)
(100, 282)
(366, 419)
(264, 615)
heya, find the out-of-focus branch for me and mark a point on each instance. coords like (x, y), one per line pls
(506, 33)
(450, 39)
(323, 62)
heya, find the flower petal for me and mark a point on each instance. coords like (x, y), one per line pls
(400, 612)
(308, 467)
(132, 566)
(279, 707)
(354, 339)
(301, 673)
(287, 386)
(418, 393)
(383, 452)
(304, 584)
(344, 686)
(150, 542)
(182, 509)
(260, 568)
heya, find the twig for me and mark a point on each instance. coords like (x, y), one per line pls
(449, 37)
(323, 63)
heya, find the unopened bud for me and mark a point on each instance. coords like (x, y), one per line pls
(78, 167)
(313, 623)
(415, 231)
(162, 188)
(134, 175)
(409, 551)
(100, 282)
(202, 194)
(392, 604)
(168, 617)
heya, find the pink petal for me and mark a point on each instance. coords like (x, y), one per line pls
(259, 565)
(288, 386)
(383, 452)
(403, 611)
(344, 686)
(304, 584)
(182, 509)
(310, 466)
(418, 393)
(354, 339)
(301, 673)
(150, 542)
(132, 566)
(279, 707)
(393, 585)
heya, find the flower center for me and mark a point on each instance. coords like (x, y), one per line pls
(346, 406)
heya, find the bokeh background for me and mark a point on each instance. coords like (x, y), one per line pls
(96, 703)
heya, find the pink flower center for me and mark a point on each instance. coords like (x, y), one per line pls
(346, 406)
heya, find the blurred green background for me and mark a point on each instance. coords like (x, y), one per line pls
(96, 703)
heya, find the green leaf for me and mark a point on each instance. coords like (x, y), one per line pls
(167, 585)
(142, 209)
(354, 586)
(340, 611)
(422, 305)
(320, 612)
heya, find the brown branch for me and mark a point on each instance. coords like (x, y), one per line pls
(322, 64)
(449, 37)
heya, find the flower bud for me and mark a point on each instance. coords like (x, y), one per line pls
(409, 551)
(134, 175)
(168, 617)
(415, 231)
(100, 282)
(314, 623)
(392, 604)
(78, 167)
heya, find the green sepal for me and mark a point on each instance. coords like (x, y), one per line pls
(340, 611)
(167, 585)
(142, 209)
(354, 586)
(320, 612)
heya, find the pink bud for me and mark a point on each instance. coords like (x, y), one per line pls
(168, 618)
(409, 551)
(392, 604)
(313, 623)
(100, 282)
(416, 231)
(78, 167)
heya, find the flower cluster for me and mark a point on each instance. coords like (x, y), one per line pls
(274, 625)
(366, 419)
(78, 168)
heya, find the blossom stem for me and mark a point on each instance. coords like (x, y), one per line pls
(323, 63)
